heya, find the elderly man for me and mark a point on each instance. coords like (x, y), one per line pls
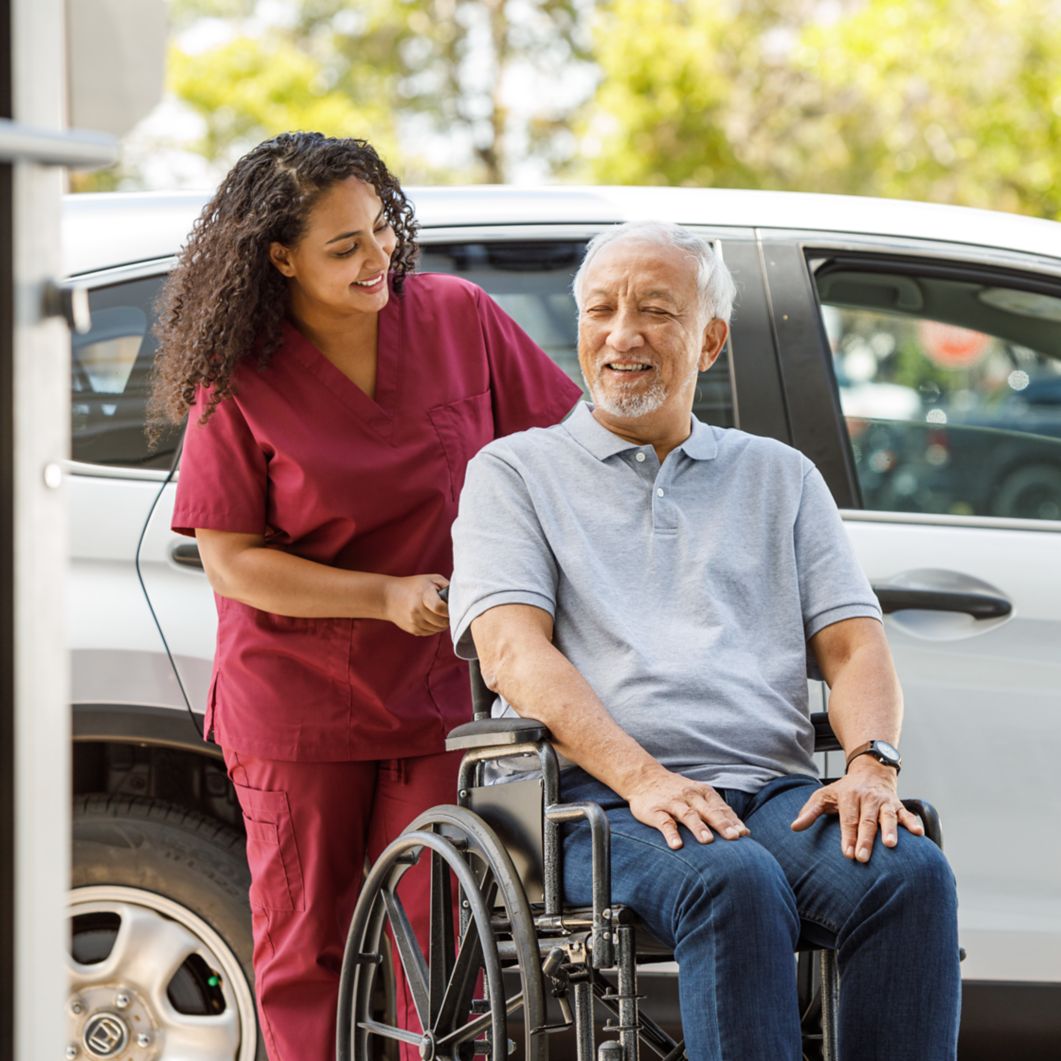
(647, 586)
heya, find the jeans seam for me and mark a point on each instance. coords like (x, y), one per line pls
(694, 876)
(820, 921)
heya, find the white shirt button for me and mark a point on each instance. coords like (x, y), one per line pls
(639, 457)
(659, 492)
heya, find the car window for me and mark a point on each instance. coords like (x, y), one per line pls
(110, 369)
(950, 386)
(531, 281)
(111, 365)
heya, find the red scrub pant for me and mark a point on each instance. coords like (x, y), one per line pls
(310, 827)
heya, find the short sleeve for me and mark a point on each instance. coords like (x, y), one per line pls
(500, 555)
(832, 584)
(529, 389)
(223, 476)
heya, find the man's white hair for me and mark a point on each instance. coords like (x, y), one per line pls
(713, 280)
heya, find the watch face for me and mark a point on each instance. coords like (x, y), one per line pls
(886, 750)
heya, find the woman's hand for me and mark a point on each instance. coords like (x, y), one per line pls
(412, 603)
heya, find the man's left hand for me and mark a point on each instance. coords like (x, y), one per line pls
(866, 800)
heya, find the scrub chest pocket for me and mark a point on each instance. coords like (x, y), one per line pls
(463, 428)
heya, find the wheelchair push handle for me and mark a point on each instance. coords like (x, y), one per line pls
(482, 697)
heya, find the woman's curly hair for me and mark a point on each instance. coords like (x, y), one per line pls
(225, 300)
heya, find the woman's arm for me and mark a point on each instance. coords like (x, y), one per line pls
(243, 568)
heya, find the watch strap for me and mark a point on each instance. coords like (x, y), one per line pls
(870, 748)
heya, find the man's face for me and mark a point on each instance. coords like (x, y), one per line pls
(642, 335)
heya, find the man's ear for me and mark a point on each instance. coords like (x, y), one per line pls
(280, 256)
(715, 334)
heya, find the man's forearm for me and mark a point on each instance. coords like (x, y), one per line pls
(865, 704)
(865, 700)
(520, 662)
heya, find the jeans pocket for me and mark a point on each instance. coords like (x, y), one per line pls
(272, 850)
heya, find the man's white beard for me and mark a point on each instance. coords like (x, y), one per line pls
(630, 406)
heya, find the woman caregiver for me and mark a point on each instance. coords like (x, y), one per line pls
(335, 399)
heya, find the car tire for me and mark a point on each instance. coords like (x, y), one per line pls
(160, 951)
(1033, 492)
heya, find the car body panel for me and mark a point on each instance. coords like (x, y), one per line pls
(983, 697)
(982, 730)
(165, 218)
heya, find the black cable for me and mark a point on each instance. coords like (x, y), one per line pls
(147, 596)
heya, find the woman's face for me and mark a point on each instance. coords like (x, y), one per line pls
(339, 266)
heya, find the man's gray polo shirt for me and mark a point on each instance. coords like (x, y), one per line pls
(683, 593)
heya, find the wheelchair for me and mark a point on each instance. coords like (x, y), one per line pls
(507, 964)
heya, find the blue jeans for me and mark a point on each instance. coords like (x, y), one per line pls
(733, 910)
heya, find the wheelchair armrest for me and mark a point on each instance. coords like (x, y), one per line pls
(824, 738)
(495, 732)
(929, 818)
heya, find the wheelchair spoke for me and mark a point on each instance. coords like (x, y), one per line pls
(489, 892)
(441, 947)
(386, 1031)
(409, 951)
(478, 1024)
(455, 975)
(457, 999)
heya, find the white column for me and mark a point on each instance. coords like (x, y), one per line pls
(41, 404)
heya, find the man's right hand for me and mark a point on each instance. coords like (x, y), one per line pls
(666, 800)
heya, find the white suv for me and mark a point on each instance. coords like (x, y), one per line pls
(912, 351)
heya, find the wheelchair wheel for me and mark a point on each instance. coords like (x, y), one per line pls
(817, 982)
(458, 981)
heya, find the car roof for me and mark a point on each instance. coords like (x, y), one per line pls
(107, 229)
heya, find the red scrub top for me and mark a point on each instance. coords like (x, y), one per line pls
(302, 455)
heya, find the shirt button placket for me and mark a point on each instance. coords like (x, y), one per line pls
(663, 512)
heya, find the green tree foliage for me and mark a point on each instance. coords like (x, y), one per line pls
(927, 99)
(399, 72)
(250, 88)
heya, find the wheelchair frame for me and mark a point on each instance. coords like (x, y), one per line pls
(506, 864)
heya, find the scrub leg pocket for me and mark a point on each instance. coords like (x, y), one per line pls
(306, 826)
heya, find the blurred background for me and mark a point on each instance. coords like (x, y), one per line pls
(942, 100)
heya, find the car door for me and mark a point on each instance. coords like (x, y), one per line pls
(117, 656)
(927, 382)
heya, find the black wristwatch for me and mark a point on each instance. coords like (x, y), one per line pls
(881, 750)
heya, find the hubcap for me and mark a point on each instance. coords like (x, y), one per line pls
(106, 1034)
(148, 977)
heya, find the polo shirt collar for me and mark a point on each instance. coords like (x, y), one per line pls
(593, 436)
(701, 445)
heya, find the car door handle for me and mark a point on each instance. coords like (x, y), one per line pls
(978, 605)
(186, 555)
